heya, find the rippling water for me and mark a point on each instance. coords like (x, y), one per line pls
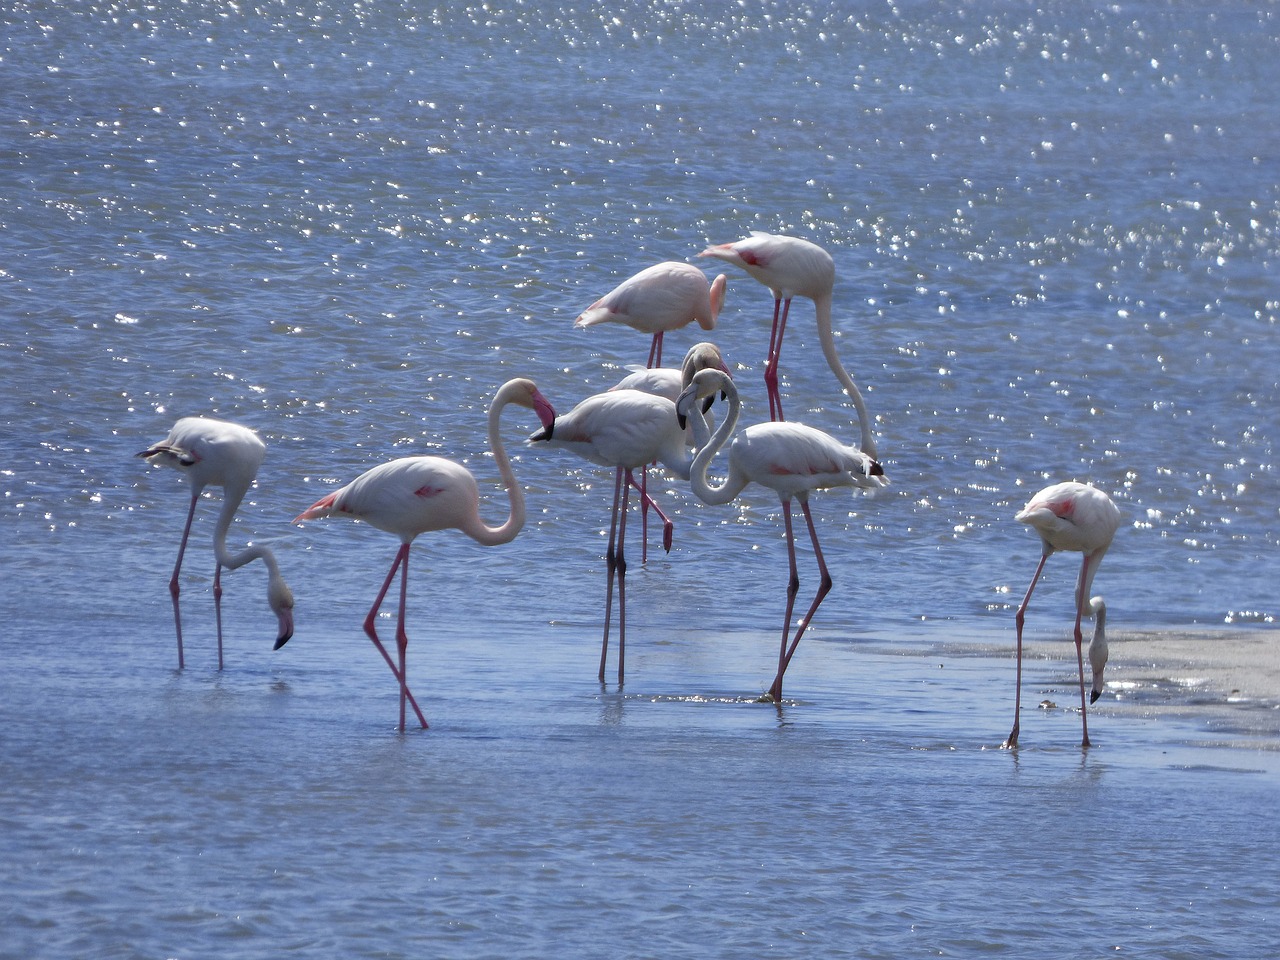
(1055, 233)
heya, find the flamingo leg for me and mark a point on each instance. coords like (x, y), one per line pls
(622, 575)
(780, 310)
(645, 502)
(402, 638)
(793, 587)
(401, 556)
(174, 588)
(217, 608)
(823, 589)
(655, 351)
(1012, 740)
(648, 502)
(610, 561)
(1084, 720)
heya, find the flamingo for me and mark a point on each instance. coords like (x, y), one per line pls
(791, 267)
(623, 429)
(663, 297)
(667, 382)
(414, 495)
(217, 453)
(1078, 517)
(791, 459)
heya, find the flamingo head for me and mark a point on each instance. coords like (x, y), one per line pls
(280, 598)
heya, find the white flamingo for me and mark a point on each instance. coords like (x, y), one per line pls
(792, 460)
(1071, 516)
(416, 495)
(666, 296)
(216, 453)
(791, 267)
(623, 429)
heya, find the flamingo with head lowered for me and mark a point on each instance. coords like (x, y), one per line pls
(1076, 517)
(415, 495)
(791, 267)
(217, 453)
(791, 459)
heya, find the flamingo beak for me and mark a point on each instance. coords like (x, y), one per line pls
(1094, 695)
(286, 629)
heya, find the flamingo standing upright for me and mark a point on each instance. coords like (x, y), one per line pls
(792, 460)
(666, 296)
(416, 495)
(1078, 517)
(623, 429)
(217, 453)
(791, 267)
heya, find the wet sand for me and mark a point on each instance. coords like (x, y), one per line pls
(1225, 665)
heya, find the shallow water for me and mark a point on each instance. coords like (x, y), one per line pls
(1054, 232)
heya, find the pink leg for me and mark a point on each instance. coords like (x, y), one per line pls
(824, 588)
(655, 351)
(622, 577)
(1018, 620)
(793, 586)
(611, 561)
(648, 502)
(402, 638)
(174, 588)
(1080, 601)
(401, 556)
(217, 608)
(780, 310)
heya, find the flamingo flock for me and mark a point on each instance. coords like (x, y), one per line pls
(655, 415)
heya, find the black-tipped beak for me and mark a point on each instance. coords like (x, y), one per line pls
(684, 421)
(543, 434)
(875, 470)
(1094, 695)
(282, 640)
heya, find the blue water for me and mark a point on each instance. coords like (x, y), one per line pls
(1055, 231)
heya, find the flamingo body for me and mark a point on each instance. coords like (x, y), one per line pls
(211, 452)
(788, 266)
(1075, 517)
(664, 297)
(624, 429)
(415, 495)
(791, 459)
(791, 267)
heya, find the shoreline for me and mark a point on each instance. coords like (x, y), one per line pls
(1230, 664)
(1224, 678)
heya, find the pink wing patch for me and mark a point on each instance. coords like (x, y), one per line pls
(427, 491)
(1059, 508)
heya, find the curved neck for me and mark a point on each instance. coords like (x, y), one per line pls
(485, 534)
(233, 496)
(822, 306)
(698, 482)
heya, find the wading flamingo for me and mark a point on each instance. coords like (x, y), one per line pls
(220, 454)
(1071, 516)
(667, 382)
(791, 267)
(623, 429)
(792, 460)
(416, 495)
(663, 297)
